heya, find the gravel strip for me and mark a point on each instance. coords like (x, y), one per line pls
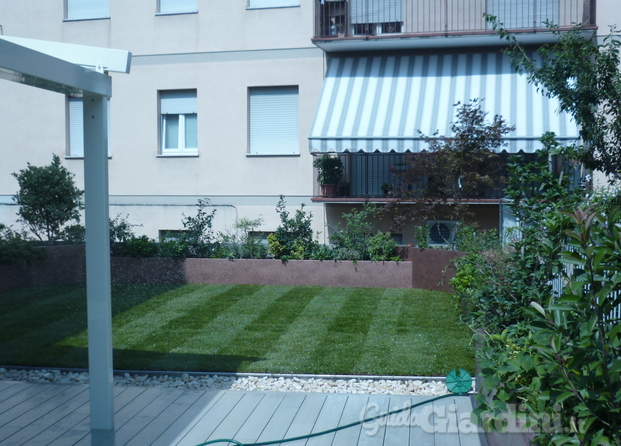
(245, 383)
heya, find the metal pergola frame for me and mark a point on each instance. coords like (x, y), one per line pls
(80, 71)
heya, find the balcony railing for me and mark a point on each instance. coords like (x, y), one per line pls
(379, 176)
(336, 19)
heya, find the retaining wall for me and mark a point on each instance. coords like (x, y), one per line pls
(427, 269)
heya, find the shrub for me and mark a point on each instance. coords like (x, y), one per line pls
(567, 362)
(293, 239)
(17, 250)
(241, 243)
(383, 248)
(352, 241)
(47, 199)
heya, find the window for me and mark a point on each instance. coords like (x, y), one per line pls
(87, 9)
(274, 121)
(272, 3)
(179, 124)
(524, 14)
(176, 6)
(76, 127)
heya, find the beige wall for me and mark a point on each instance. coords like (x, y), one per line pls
(220, 51)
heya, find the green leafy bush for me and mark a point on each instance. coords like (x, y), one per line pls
(383, 248)
(241, 243)
(47, 199)
(17, 250)
(567, 367)
(351, 242)
(293, 239)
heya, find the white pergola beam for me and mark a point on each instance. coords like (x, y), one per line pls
(30, 67)
(94, 58)
(27, 66)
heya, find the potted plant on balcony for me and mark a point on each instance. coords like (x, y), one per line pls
(329, 171)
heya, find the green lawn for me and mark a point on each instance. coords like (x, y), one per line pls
(246, 328)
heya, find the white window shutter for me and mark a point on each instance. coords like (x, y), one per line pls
(178, 102)
(87, 9)
(177, 6)
(274, 120)
(76, 127)
(272, 3)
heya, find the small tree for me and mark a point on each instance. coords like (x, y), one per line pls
(586, 80)
(455, 167)
(47, 199)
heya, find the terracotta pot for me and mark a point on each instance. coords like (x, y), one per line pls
(329, 190)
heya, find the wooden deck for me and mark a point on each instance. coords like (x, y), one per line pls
(58, 415)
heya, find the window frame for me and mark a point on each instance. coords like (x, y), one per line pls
(76, 17)
(74, 113)
(256, 146)
(181, 149)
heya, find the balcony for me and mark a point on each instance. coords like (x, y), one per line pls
(380, 176)
(349, 25)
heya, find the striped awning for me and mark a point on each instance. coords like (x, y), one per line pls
(381, 104)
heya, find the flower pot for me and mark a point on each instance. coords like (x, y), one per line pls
(329, 190)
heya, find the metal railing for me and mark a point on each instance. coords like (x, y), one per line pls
(371, 175)
(374, 18)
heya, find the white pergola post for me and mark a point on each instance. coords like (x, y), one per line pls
(98, 287)
(80, 71)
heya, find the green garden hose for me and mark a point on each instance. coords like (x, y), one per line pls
(456, 382)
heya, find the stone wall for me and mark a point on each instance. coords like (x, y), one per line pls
(427, 269)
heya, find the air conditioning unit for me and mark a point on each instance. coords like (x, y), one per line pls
(441, 232)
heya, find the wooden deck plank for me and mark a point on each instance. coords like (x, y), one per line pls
(70, 437)
(422, 422)
(58, 415)
(165, 419)
(210, 419)
(328, 418)
(184, 424)
(38, 407)
(229, 427)
(279, 425)
(398, 425)
(80, 430)
(10, 388)
(304, 420)
(51, 425)
(255, 424)
(123, 416)
(446, 431)
(372, 433)
(143, 417)
(469, 433)
(25, 400)
(351, 413)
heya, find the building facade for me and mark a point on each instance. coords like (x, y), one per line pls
(231, 101)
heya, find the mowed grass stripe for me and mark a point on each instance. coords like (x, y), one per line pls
(294, 351)
(341, 347)
(192, 313)
(258, 337)
(199, 352)
(130, 303)
(46, 308)
(131, 328)
(381, 337)
(431, 337)
(228, 324)
(272, 329)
